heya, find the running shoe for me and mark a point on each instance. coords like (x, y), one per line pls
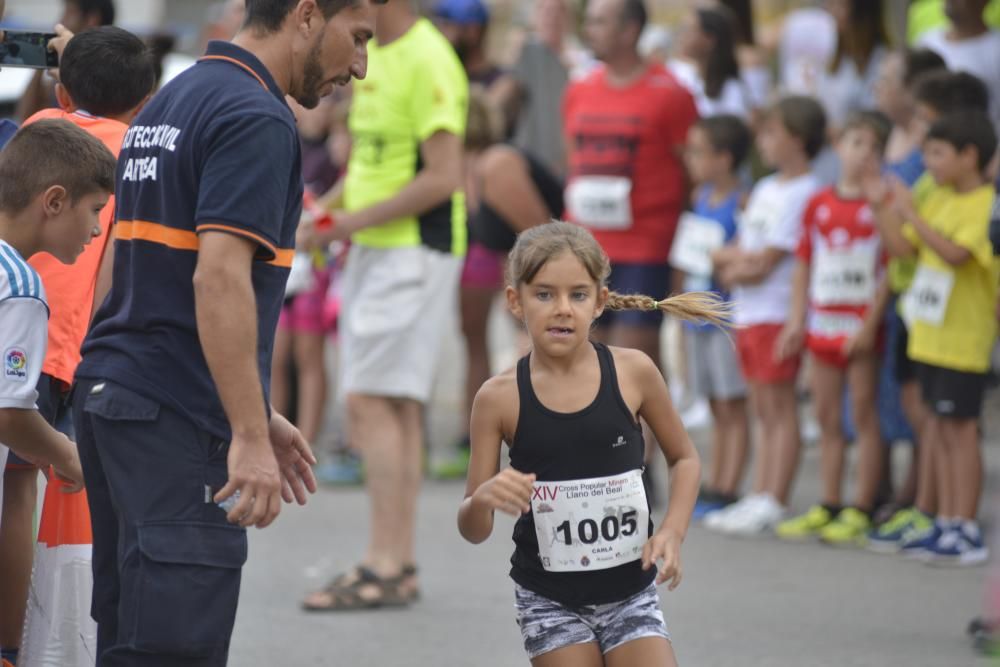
(887, 538)
(959, 546)
(916, 544)
(343, 470)
(759, 517)
(715, 519)
(849, 529)
(709, 501)
(457, 467)
(806, 525)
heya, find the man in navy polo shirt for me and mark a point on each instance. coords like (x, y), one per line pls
(171, 404)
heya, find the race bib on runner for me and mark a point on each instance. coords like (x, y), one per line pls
(590, 524)
(843, 277)
(927, 299)
(601, 202)
(696, 238)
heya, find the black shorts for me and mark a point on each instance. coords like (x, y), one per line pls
(488, 228)
(948, 393)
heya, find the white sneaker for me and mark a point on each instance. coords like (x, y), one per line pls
(762, 516)
(717, 519)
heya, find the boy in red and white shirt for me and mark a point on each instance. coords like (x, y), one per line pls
(840, 272)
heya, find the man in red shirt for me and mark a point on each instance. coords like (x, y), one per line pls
(626, 124)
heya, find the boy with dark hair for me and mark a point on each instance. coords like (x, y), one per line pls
(838, 300)
(935, 94)
(106, 74)
(54, 181)
(78, 15)
(950, 308)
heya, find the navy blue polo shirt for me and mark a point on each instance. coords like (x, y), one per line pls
(215, 150)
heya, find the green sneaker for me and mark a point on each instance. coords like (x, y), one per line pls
(849, 529)
(454, 468)
(805, 526)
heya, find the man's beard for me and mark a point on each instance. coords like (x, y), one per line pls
(312, 77)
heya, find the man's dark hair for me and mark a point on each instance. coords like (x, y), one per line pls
(917, 62)
(104, 9)
(804, 119)
(268, 15)
(947, 92)
(728, 134)
(963, 129)
(634, 12)
(107, 71)
(53, 152)
(869, 119)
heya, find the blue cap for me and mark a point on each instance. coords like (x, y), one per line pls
(463, 12)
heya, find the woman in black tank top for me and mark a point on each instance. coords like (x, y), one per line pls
(586, 550)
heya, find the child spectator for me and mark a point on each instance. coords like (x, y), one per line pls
(950, 307)
(935, 94)
(839, 274)
(969, 45)
(759, 267)
(54, 181)
(716, 148)
(106, 74)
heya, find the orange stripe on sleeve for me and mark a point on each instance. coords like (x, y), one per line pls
(141, 230)
(283, 258)
(267, 245)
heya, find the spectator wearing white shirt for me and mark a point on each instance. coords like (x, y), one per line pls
(969, 45)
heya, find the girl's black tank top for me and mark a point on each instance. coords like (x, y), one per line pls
(601, 440)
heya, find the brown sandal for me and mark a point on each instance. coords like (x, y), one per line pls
(347, 592)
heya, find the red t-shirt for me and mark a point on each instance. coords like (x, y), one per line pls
(70, 288)
(841, 245)
(627, 182)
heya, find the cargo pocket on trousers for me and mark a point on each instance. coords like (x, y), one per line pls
(189, 585)
(116, 403)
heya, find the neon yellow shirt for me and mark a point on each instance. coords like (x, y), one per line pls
(416, 86)
(964, 339)
(901, 269)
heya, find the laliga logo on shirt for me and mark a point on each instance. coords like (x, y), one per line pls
(15, 364)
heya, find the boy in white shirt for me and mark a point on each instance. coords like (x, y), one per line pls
(759, 268)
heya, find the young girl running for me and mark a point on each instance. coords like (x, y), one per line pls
(586, 552)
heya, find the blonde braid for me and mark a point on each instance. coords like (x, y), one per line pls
(705, 307)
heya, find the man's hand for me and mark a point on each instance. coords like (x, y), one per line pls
(58, 44)
(253, 471)
(295, 460)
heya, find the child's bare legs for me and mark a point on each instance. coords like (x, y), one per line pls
(17, 550)
(917, 414)
(942, 463)
(311, 369)
(645, 652)
(282, 357)
(476, 304)
(582, 655)
(827, 386)
(961, 438)
(764, 447)
(863, 379)
(732, 436)
(780, 427)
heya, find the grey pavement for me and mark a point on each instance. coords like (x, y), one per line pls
(743, 603)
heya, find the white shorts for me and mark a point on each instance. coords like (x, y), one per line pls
(713, 367)
(396, 306)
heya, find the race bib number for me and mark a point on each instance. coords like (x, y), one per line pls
(696, 238)
(601, 202)
(927, 299)
(590, 524)
(843, 278)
